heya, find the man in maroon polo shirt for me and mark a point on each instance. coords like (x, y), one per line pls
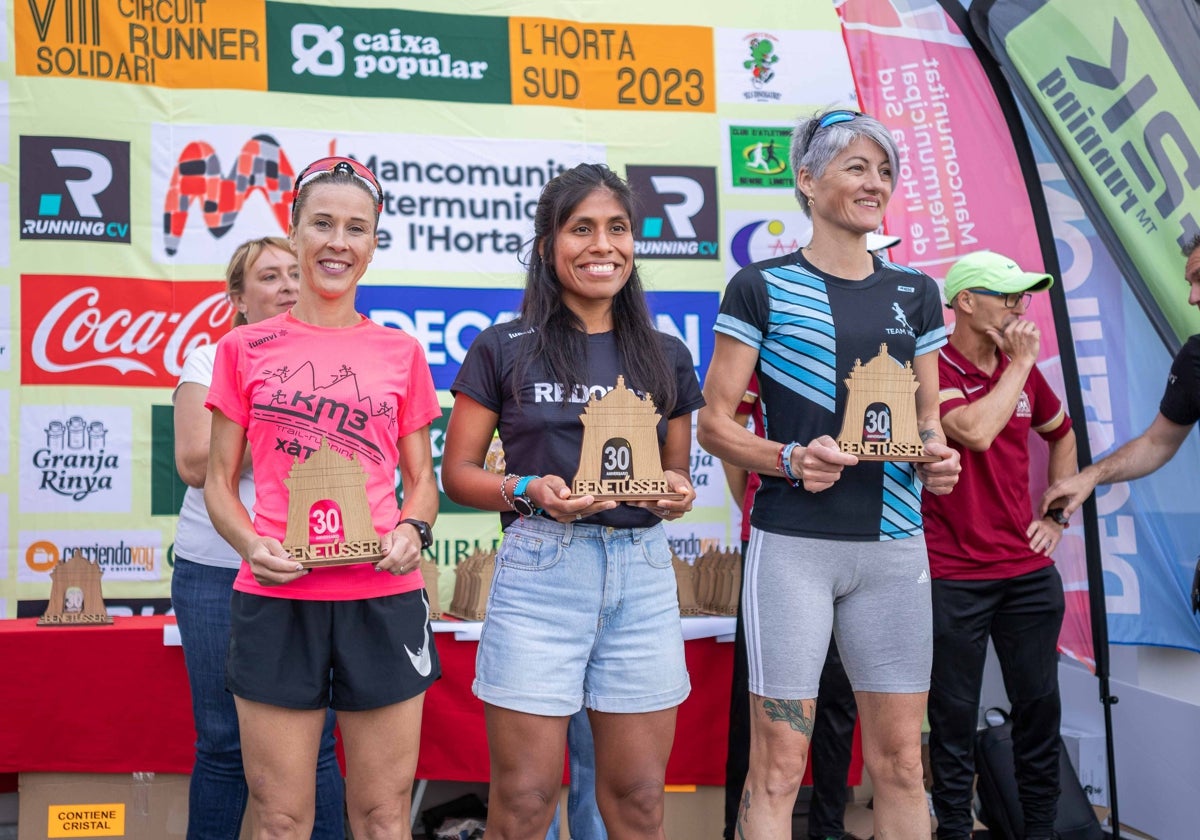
(989, 552)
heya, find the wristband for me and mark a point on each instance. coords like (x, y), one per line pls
(1057, 515)
(785, 463)
(520, 500)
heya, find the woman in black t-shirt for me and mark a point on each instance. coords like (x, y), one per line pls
(583, 608)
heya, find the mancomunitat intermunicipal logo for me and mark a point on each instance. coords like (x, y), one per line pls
(197, 180)
(74, 188)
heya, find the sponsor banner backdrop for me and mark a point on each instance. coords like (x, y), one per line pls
(1147, 535)
(607, 66)
(1116, 96)
(445, 323)
(450, 203)
(74, 189)
(145, 141)
(123, 555)
(756, 157)
(392, 53)
(183, 44)
(770, 66)
(76, 459)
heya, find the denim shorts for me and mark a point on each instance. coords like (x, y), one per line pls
(582, 615)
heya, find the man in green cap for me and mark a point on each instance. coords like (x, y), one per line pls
(989, 554)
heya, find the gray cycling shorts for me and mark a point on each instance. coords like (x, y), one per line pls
(873, 596)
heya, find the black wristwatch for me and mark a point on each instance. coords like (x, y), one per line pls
(423, 530)
(521, 502)
(1058, 515)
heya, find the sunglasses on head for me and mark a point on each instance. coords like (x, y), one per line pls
(328, 165)
(832, 118)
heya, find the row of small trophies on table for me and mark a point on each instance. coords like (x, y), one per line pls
(709, 586)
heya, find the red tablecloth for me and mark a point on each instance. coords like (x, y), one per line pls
(99, 699)
(114, 699)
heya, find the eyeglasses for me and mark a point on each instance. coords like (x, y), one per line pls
(832, 118)
(1011, 299)
(328, 165)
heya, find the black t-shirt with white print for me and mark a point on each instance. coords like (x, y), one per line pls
(1181, 398)
(540, 436)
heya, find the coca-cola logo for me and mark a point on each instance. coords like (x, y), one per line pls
(115, 330)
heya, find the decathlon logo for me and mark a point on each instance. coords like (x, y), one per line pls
(75, 189)
(318, 50)
(679, 211)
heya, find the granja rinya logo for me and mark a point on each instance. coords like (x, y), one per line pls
(74, 463)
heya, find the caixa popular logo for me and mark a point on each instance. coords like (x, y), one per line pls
(446, 321)
(75, 459)
(74, 188)
(115, 330)
(678, 211)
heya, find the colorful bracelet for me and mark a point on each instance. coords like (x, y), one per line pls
(785, 456)
(785, 463)
(504, 495)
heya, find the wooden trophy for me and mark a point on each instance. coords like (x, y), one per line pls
(619, 458)
(431, 574)
(329, 518)
(472, 583)
(880, 422)
(75, 596)
(685, 586)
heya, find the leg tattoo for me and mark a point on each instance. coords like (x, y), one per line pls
(743, 815)
(790, 712)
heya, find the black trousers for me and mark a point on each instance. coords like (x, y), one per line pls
(1023, 616)
(832, 742)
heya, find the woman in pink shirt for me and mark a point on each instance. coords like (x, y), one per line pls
(322, 387)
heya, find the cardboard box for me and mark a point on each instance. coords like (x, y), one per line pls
(689, 812)
(692, 811)
(1088, 752)
(137, 806)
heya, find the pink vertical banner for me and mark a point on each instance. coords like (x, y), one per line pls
(959, 189)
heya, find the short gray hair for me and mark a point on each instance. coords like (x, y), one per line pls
(813, 148)
(1191, 245)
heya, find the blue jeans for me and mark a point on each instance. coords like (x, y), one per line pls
(217, 796)
(583, 816)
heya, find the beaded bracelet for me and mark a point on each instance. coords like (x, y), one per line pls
(785, 463)
(504, 495)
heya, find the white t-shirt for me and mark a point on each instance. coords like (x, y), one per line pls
(195, 537)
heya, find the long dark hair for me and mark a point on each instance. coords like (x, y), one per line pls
(560, 339)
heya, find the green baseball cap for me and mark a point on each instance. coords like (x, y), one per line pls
(989, 270)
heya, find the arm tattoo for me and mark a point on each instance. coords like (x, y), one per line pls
(928, 435)
(743, 816)
(790, 712)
